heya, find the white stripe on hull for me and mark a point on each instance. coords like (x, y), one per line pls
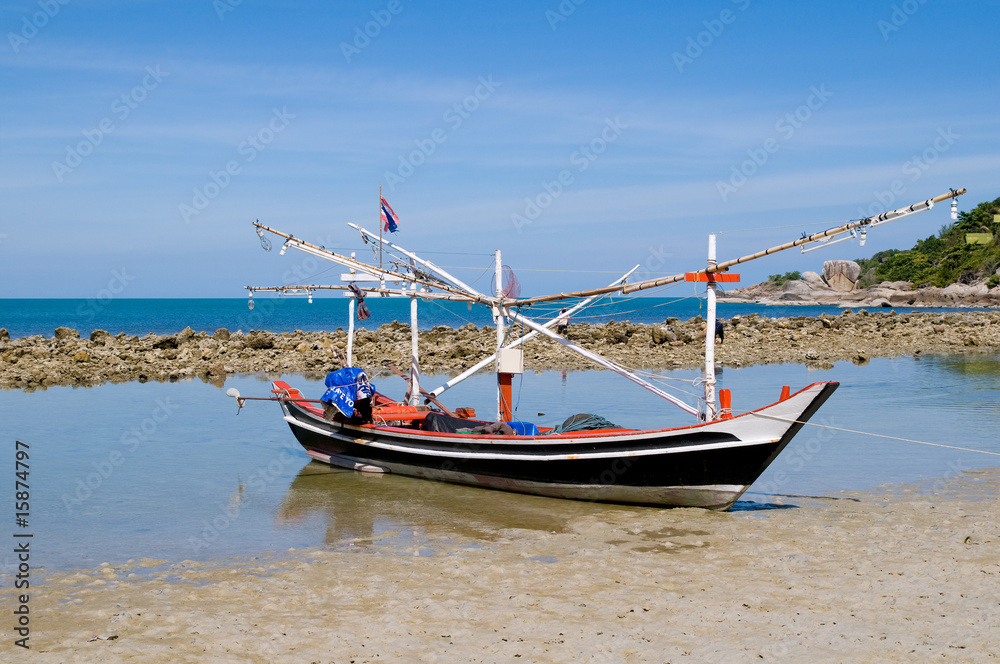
(512, 456)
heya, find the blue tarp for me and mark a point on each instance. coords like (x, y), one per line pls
(345, 386)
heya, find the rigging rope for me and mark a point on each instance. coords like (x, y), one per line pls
(530, 269)
(438, 304)
(633, 311)
(876, 435)
(542, 310)
(773, 228)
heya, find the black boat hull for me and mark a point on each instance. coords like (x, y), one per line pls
(707, 465)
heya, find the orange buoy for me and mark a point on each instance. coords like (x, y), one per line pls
(725, 404)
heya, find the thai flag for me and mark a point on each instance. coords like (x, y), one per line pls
(389, 218)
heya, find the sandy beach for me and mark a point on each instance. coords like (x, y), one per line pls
(903, 573)
(906, 573)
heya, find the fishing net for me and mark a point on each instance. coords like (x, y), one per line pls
(584, 422)
(511, 286)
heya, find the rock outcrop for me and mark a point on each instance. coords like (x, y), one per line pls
(886, 294)
(841, 276)
(37, 362)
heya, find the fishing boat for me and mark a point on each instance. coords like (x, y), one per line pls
(709, 463)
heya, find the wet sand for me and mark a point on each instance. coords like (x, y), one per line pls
(902, 574)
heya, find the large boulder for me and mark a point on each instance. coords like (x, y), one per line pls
(796, 291)
(841, 275)
(814, 280)
(259, 340)
(165, 342)
(961, 291)
(662, 335)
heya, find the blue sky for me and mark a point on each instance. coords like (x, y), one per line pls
(140, 139)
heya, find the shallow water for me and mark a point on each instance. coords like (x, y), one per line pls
(169, 471)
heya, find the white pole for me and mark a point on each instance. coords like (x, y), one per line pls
(350, 328)
(350, 332)
(415, 363)
(498, 319)
(711, 411)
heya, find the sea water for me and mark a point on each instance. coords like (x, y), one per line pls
(171, 471)
(24, 317)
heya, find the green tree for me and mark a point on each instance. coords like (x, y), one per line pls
(943, 259)
(779, 279)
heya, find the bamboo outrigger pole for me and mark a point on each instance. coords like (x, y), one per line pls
(326, 254)
(413, 257)
(722, 267)
(377, 290)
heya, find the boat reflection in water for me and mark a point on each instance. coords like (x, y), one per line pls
(371, 510)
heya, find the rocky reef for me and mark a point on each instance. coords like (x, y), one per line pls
(838, 286)
(67, 359)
